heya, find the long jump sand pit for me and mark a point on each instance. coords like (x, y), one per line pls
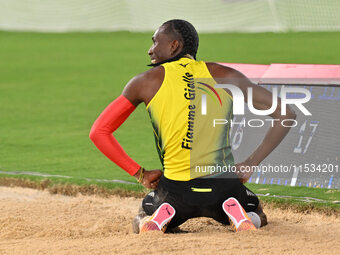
(36, 222)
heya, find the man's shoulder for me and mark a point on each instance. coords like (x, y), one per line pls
(155, 74)
(143, 86)
(218, 70)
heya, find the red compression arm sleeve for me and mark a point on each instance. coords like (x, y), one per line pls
(101, 133)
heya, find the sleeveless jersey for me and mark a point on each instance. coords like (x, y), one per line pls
(182, 113)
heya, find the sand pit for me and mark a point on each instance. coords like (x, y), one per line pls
(35, 222)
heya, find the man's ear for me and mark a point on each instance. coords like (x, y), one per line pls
(176, 47)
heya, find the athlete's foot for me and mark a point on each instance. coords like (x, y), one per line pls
(136, 222)
(159, 220)
(238, 217)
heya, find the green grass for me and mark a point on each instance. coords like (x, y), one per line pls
(297, 197)
(271, 195)
(53, 86)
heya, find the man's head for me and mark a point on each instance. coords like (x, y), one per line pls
(172, 40)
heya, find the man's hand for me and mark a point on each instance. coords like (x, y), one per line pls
(244, 170)
(150, 179)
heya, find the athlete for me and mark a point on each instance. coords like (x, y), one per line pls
(174, 91)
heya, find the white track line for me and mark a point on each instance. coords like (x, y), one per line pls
(64, 176)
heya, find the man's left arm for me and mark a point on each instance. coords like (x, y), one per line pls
(263, 100)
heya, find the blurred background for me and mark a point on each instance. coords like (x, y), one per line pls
(146, 15)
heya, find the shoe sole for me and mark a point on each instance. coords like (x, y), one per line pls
(238, 217)
(159, 220)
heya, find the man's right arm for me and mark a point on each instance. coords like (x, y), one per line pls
(135, 92)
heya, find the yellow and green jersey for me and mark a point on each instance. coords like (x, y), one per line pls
(187, 141)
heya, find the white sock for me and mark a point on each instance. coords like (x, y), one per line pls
(255, 219)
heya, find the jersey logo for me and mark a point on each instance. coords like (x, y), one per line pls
(210, 91)
(184, 65)
(251, 194)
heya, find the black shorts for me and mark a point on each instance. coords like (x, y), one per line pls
(201, 197)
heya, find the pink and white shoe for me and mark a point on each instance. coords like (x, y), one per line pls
(159, 220)
(238, 218)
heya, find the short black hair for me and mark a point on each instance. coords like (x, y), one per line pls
(186, 33)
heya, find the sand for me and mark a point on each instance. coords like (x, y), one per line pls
(36, 222)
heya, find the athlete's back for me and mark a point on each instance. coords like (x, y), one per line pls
(188, 144)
